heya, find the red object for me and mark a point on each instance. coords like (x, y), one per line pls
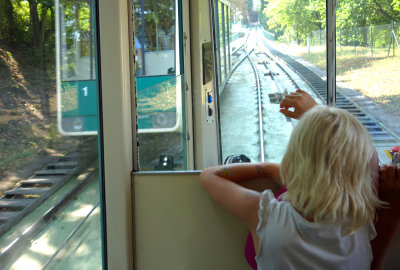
(395, 149)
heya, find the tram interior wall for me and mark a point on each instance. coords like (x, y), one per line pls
(178, 224)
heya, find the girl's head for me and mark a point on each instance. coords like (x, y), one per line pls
(326, 168)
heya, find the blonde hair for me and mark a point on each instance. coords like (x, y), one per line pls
(326, 169)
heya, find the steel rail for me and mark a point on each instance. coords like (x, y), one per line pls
(259, 103)
(258, 85)
(13, 250)
(50, 260)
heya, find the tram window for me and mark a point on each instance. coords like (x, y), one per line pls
(48, 137)
(228, 25)
(77, 68)
(217, 41)
(221, 20)
(207, 62)
(159, 82)
(367, 57)
(249, 94)
(155, 31)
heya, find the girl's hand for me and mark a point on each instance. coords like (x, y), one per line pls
(300, 101)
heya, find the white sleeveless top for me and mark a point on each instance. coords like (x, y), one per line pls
(288, 241)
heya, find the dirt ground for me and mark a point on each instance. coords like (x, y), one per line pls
(28, 138)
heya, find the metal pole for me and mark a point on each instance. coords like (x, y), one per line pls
(91, 41)
(372, 44)
(393, 36)
(354, 39)
(320, 37)
(143, 31)
(331, 51)
(223, 38)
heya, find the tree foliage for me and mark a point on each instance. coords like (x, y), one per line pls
(244, 7)
(28, 26)
(298, 18)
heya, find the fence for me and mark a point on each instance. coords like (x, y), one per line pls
(378, 81)
(234, 37)
(373, 40)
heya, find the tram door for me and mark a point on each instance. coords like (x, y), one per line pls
(167, 128)
(175, 221)
(160, 82)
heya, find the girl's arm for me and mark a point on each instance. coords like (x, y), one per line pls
(222, 184)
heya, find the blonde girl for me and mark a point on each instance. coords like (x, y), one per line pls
(325, 219)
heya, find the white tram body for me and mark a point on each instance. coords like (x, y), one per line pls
(164, 219)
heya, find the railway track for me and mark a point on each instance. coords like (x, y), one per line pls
(379, 134)
(75, 171)
(29, 193)
(258, 115)
(283, 74)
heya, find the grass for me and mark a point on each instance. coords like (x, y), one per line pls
(161, 97)
(21, 143)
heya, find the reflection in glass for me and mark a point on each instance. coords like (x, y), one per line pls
(160, 126)
(155, 25)
(48, 137)
(77, 93)
(159, 84)
(157, 106)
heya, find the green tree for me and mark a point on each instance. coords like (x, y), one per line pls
(243, 8)
(7, 22)
(249, 4)
(16, 16)
(365, 12)
(42, 19)
(297, 17)
(387, 8)
(263, 5)
(396, 5)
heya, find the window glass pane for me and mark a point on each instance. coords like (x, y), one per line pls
(221, 26)
(287, 49)
(228, 30)
(367, 57)
(49, 137)
(159, 84)
(217, 41)
(155, 25)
